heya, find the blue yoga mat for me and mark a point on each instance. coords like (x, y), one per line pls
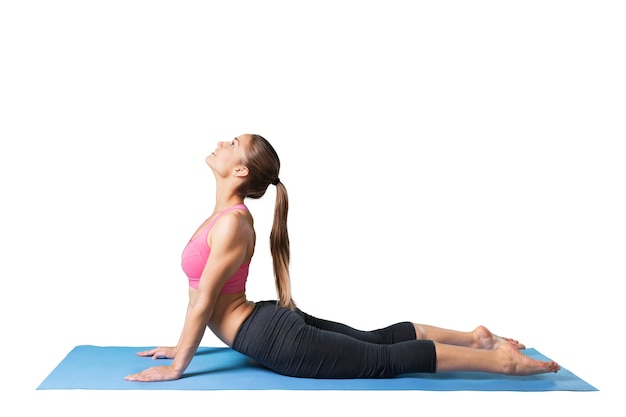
(220, 368)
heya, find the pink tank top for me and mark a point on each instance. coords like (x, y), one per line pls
(196, 254)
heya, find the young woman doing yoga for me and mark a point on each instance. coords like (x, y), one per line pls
(277, 333)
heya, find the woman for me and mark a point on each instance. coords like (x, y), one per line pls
(276, 333)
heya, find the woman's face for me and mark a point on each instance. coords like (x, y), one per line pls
(228, 156)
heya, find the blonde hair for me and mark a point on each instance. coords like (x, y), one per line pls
(263, 166)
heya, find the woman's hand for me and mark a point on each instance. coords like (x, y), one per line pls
(159, 353)
(156, 373)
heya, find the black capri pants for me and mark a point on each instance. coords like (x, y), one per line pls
(297, 344)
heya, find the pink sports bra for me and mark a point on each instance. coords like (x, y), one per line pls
(196, 254)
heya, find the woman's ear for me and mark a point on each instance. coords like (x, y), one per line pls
(241, 171)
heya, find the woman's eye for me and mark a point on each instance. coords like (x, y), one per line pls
(232, 144)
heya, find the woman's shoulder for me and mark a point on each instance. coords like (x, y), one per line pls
(236, 220)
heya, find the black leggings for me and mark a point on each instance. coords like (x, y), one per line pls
(296, 344)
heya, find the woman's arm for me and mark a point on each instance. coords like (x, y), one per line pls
(229, 242)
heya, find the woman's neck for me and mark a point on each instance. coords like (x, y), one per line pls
(226, 195)
(224, 202)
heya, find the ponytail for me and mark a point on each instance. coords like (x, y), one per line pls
(279, 247)
(264, 166)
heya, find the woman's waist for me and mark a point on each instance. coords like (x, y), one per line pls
(229, 313)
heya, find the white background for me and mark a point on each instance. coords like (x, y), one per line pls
(451, 163)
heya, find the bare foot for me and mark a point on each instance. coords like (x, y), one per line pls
(484, 339)
(516, 363)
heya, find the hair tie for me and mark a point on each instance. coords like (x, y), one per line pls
(276, 181)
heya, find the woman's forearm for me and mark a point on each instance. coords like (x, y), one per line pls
(184, 325)
(195, 324)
